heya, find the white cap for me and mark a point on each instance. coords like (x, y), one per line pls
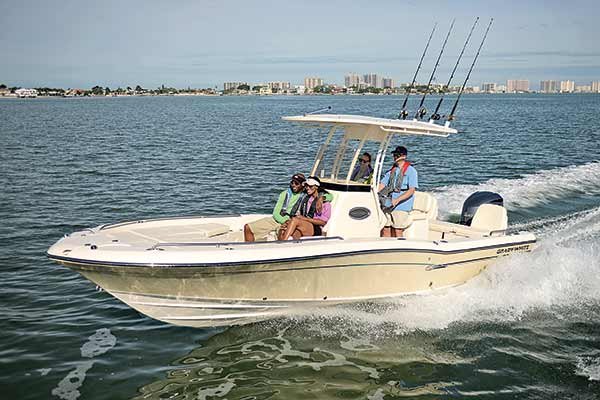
(312, 182)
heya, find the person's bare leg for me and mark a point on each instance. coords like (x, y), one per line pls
(293, 223)
(386, 231)
(248, 234)
(398, 232)
(304, 228)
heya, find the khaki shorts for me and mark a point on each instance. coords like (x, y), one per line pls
(262, 227)
(397, 219)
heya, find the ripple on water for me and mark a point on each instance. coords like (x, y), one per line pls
(526, 328)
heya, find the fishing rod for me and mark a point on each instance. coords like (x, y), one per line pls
(421, 110)
(451, 115)
(403, 113)
(435, 116)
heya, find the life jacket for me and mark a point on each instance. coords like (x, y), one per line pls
(395, 186)
(286, 202)
(302, 206)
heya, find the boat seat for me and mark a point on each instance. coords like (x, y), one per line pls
(425, 209)
(490, 218)
(193, 233)
(210, 230)
(424, 206)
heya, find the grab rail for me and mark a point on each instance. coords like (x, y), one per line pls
(157, 246)
(125, 223)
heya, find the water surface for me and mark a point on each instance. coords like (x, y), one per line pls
(526, 328)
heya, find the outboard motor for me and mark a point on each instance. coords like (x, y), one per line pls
(473, 202)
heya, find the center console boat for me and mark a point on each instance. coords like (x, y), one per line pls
(198, 271)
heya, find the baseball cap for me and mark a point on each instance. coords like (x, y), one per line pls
(401, 150)
(298, 178)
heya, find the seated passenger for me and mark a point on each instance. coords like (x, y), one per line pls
(396, 193)
(363, 171)
(311, 215)
(287, 200)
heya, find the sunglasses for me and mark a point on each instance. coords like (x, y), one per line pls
(296, 183)
(364, 161)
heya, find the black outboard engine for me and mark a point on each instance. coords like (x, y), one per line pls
(473, 202)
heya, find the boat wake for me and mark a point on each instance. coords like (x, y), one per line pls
(529, 191)
(589, 367)
(560, 277)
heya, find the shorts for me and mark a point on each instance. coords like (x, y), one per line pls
(262, 227)
(398, 219)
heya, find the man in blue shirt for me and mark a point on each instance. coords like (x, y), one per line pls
(397, 189)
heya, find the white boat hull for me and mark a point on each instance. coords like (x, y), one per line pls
(237, 283)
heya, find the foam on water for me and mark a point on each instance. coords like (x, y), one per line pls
(589, 367)
(560, 277)
(529, 191)
(98, 343)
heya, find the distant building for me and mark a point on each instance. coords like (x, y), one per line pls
(595, 87)
(583, 89)
(352, 79)
(567, 86)
(387, 83)
(300, 89)
(372, 80)
(476, 89)
(517, 85)
(549, 86)
(501, 89)
(23, 93)
(232, 85)
(312, 82)
(279, 86)
(488, 87)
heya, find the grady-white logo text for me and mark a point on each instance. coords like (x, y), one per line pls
(524, 247)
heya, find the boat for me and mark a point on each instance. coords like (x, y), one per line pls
(197, 271)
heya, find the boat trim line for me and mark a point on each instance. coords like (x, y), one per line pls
(282, 260)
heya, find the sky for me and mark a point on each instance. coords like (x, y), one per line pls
(203, 43)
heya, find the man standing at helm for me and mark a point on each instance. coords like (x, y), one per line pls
(396, 191)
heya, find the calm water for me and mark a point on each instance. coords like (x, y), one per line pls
(529, 327)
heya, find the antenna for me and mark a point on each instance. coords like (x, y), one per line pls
(421, 111)
(451, 115)
(403, 113)
(435, 116)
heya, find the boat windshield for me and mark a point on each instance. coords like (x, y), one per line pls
(341, 155)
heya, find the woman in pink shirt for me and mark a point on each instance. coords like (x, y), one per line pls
(313, 213)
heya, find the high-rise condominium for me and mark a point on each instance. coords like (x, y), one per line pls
(517, 85)
(387, 83)
(567, 86)
(549, 86)
(232, 85)
(372, 80)
(312, 82)
(352, 80)
(488, 87)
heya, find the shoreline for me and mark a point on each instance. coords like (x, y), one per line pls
(282, 95)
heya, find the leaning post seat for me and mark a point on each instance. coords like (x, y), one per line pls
(425, 209)
(490, 218)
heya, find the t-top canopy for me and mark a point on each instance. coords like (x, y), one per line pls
(400, 126)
